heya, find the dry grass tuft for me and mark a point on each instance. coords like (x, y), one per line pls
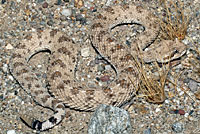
(152, 82)
(173, 26)
(174, 23)
(151, 86)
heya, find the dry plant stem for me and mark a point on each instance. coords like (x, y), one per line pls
(151, 88)
(185, 91)
(176, 28)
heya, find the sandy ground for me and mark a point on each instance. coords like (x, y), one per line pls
(18, 18)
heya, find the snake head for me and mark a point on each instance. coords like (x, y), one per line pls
(165, 51)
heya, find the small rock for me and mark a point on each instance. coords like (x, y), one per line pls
(108, 67)
(193, 85)
(79, 3)
(186, 80)
(108, 3)
(45, 5)
(100, 68)
(173, 111)
(66, 12)
(85, 52)
(11, 132)
(13, 5)
(11, 77)
(58, 2)
(157, 110)
(50, 22)
(92, 63)
(42, 23)
(177, 127)
(191, 112)
(9, 46)
(91, 84)
(105, 78)
(97, 78)
(80, 18)
(87, 4)
(5, 68)
(147, 131)
(186, 115)
(3, 1)
(181, 112)
(63, 18)
(1, 97)
(181, 93)
(110, 120)
(97, 61)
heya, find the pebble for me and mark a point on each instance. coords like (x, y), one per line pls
(79, 3)
(50, 22)
(5, 67)
(66, 12)
(105, 78)
(100, 68)
(96, 61)
(45, 5)
(3, 1)
(58, 2)
(1, 97)
(80, 18)
(85, 52)
(63, 18)
(108, 3)
(9, 46)
(157, 110)
(11, 132)
(181, 112)
(147, 131)
(186, 115)
(187, 80)
(181, 93)
(11, 77)
(92, 63)
(177, 127)
(191, 112)
(167, 101)
(13, 5)
(193, 85)
(108, 67)
(88, 5)
(91, 84)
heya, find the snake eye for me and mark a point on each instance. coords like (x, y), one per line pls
(176, 51)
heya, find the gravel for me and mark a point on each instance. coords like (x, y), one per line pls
(19, 18)
(66, 12)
